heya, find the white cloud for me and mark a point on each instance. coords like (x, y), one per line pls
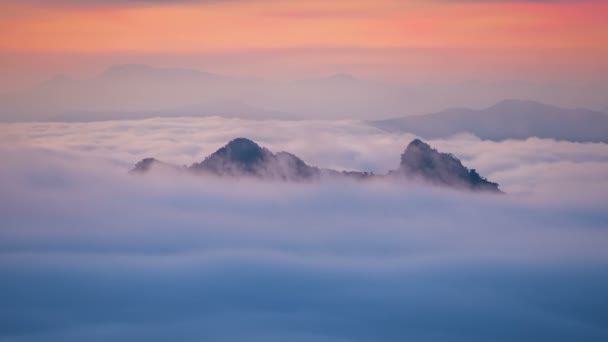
(90, 252)
(534, 165)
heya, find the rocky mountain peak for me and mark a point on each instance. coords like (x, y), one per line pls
(241, 150)
(239, 156)
(420, 160)
(244, 157)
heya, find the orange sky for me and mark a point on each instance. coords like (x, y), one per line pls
(510, 35)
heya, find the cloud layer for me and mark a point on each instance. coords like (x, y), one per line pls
(88, 252)
(539, 166)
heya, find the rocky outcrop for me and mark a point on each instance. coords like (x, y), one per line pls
(242, 157)
(421, 161)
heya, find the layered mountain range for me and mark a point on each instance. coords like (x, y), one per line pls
(242, 157)
(132, 92)
(508, 119)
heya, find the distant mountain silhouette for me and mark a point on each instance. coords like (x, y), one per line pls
(133, 91)
(121, 88)
(242, 157)
(142, 72)
(509, 119)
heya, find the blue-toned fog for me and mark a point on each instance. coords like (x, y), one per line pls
(89, 252)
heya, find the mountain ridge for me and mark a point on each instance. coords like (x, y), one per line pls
(507, 119)
(124, 89)
(242, 157)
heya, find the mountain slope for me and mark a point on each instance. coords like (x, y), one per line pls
(142, 91)
(242, 157)
(509, 119)
(423, 162)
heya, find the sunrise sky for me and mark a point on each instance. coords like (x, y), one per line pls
(304, 170)
(378, 39)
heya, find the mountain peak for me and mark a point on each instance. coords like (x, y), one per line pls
(244, 157)
(126, 71)
(242, 142)
(242, 150)
(239, 156)
(419, 144)
(420, 160)
(417, 154)
(518, 105)
(507, 119)
(129, 67)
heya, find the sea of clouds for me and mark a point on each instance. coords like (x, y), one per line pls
(90, 252)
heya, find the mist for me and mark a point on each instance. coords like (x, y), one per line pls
(89, 251)
(303, 171)
(136, 91)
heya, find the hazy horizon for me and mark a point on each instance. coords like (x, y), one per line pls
(130, 91)
(303, 171)
(414, 41)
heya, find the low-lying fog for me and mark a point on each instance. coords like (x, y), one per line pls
(90, 252)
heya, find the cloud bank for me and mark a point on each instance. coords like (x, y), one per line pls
(88, 252)
(535, 166)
